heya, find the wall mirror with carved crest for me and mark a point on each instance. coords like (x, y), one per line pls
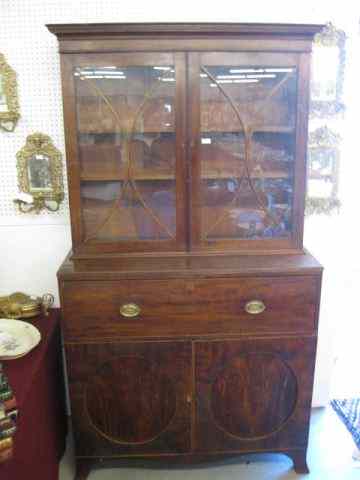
(323, 171)
(9, 104)
(39, 165)
(326, 114)
(328, 68)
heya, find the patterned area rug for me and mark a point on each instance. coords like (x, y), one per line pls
(349, 412)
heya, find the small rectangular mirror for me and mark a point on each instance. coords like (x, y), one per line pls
(39, 173)
(328, 69)
(3, 103)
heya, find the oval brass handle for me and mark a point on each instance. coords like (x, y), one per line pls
(129, 310)
(254, 307)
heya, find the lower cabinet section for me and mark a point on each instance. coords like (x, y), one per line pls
(151, 398)
(130, 398)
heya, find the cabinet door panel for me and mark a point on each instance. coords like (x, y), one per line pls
(130, 398)
(253, 394)
(244, 129)
(129, 113)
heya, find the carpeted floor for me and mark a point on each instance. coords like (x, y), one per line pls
(349, 412)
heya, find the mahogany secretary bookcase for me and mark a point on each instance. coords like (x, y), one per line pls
(189, 305)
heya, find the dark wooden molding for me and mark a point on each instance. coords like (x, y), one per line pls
(142, 29)
(189, 266)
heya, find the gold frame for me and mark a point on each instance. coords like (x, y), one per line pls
(323, 140)
(43, 198)
(330, 37)
(9, 119)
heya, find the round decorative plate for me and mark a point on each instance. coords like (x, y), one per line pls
(17, 338)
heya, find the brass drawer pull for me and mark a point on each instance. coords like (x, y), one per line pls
(254, 307)
(130, 310)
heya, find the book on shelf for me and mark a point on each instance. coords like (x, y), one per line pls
(10, 432)
(6, 395)
(6, 423)
(13, 414)
(6, 443)
(6, 455)
(3, 379)
(9, 404)
(4, 386)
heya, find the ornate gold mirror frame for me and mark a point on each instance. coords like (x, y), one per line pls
(9, 104)
(40, 178)
(326, 108)
(327, 82)
(323, 171)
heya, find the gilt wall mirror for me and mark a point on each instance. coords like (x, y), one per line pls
(326, 115)
(9, 104)
(323, 171)
(40, 178)
(328, 69)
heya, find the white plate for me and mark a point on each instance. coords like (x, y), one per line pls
(17, 338)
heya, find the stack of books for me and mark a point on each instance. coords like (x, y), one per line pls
(8, 417)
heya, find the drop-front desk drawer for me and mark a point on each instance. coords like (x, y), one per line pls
(166, 308)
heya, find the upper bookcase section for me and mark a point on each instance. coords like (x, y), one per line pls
(186, 137)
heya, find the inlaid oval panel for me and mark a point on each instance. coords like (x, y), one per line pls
(253, 395)
(129, 400)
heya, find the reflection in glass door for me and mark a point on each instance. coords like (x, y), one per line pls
(247, 151)
(126, 124)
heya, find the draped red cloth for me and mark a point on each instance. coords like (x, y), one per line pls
(37, 383)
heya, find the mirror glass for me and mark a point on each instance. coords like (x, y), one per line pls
(322, 172)
(39, 173)
(325, 63)
(3, 101)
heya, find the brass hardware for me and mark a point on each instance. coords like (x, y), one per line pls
(130, 310)
(47, 302)
(254, 307)
(188, 398)
(20, 305)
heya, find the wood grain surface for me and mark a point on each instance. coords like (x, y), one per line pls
(188, 307)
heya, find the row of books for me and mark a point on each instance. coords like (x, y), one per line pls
(8, 418)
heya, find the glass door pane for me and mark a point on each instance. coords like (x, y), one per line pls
(247, 151)
(127, 143)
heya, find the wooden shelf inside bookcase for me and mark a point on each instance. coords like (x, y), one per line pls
(143, 176)
(158, 176)
(255, 129)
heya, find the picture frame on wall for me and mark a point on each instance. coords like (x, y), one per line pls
(9, 103)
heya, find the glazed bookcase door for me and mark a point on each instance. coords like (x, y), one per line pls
(126, 150)
(247, 162)
(248, 394)
(130, 398)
